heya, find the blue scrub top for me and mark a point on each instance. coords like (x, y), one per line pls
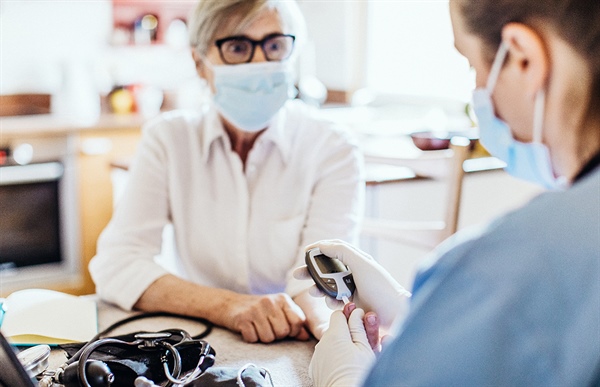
(515, 304)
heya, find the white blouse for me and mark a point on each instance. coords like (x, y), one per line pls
(234, 228)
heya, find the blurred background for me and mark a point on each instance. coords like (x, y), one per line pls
(391, 46)
(78, 78)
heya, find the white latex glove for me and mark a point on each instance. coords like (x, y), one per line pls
(343, 356)
(376, 290)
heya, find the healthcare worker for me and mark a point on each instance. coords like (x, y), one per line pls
(246, 181)
(518, 302)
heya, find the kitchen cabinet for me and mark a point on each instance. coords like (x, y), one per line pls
(86, 151)
(97, 149)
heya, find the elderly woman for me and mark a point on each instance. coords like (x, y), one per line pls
(246, 182)
(516, 303)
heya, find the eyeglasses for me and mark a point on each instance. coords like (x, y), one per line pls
(240, 49)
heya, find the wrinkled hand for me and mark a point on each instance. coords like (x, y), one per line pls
(343, 356)
(265, 318)
(376, 290)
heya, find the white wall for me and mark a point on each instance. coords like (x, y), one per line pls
(403, 46)
(39, 37)
(336, 37)
(399, 46)
(410, 50)
(48, 46)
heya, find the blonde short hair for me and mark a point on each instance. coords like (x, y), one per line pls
(212, 17)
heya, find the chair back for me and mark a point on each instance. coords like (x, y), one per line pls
(445, 165)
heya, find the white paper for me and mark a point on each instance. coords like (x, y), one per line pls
(36, 316)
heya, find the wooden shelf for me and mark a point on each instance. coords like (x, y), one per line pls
(24, 104)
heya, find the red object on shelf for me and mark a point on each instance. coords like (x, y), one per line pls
(126, 12)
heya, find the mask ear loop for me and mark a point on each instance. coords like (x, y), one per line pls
(540, 97)
(497, 67)
(207, 63)
(538, 116)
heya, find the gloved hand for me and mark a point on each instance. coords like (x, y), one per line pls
(343, 356)
(376, 290)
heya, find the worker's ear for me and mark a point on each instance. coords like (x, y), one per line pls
(528, 55)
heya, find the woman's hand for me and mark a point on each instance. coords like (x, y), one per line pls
(259, 318)
(264, 318)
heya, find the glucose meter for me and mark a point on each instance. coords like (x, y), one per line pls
(330, 274)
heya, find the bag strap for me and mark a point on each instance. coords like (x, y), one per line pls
(140, 316)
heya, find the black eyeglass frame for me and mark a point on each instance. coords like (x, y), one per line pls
(219, 43)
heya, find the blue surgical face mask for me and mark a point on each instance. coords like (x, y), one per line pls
(528, 161)
(249, 95)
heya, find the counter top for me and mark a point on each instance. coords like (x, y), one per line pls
(47, 125)
(51, 124)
